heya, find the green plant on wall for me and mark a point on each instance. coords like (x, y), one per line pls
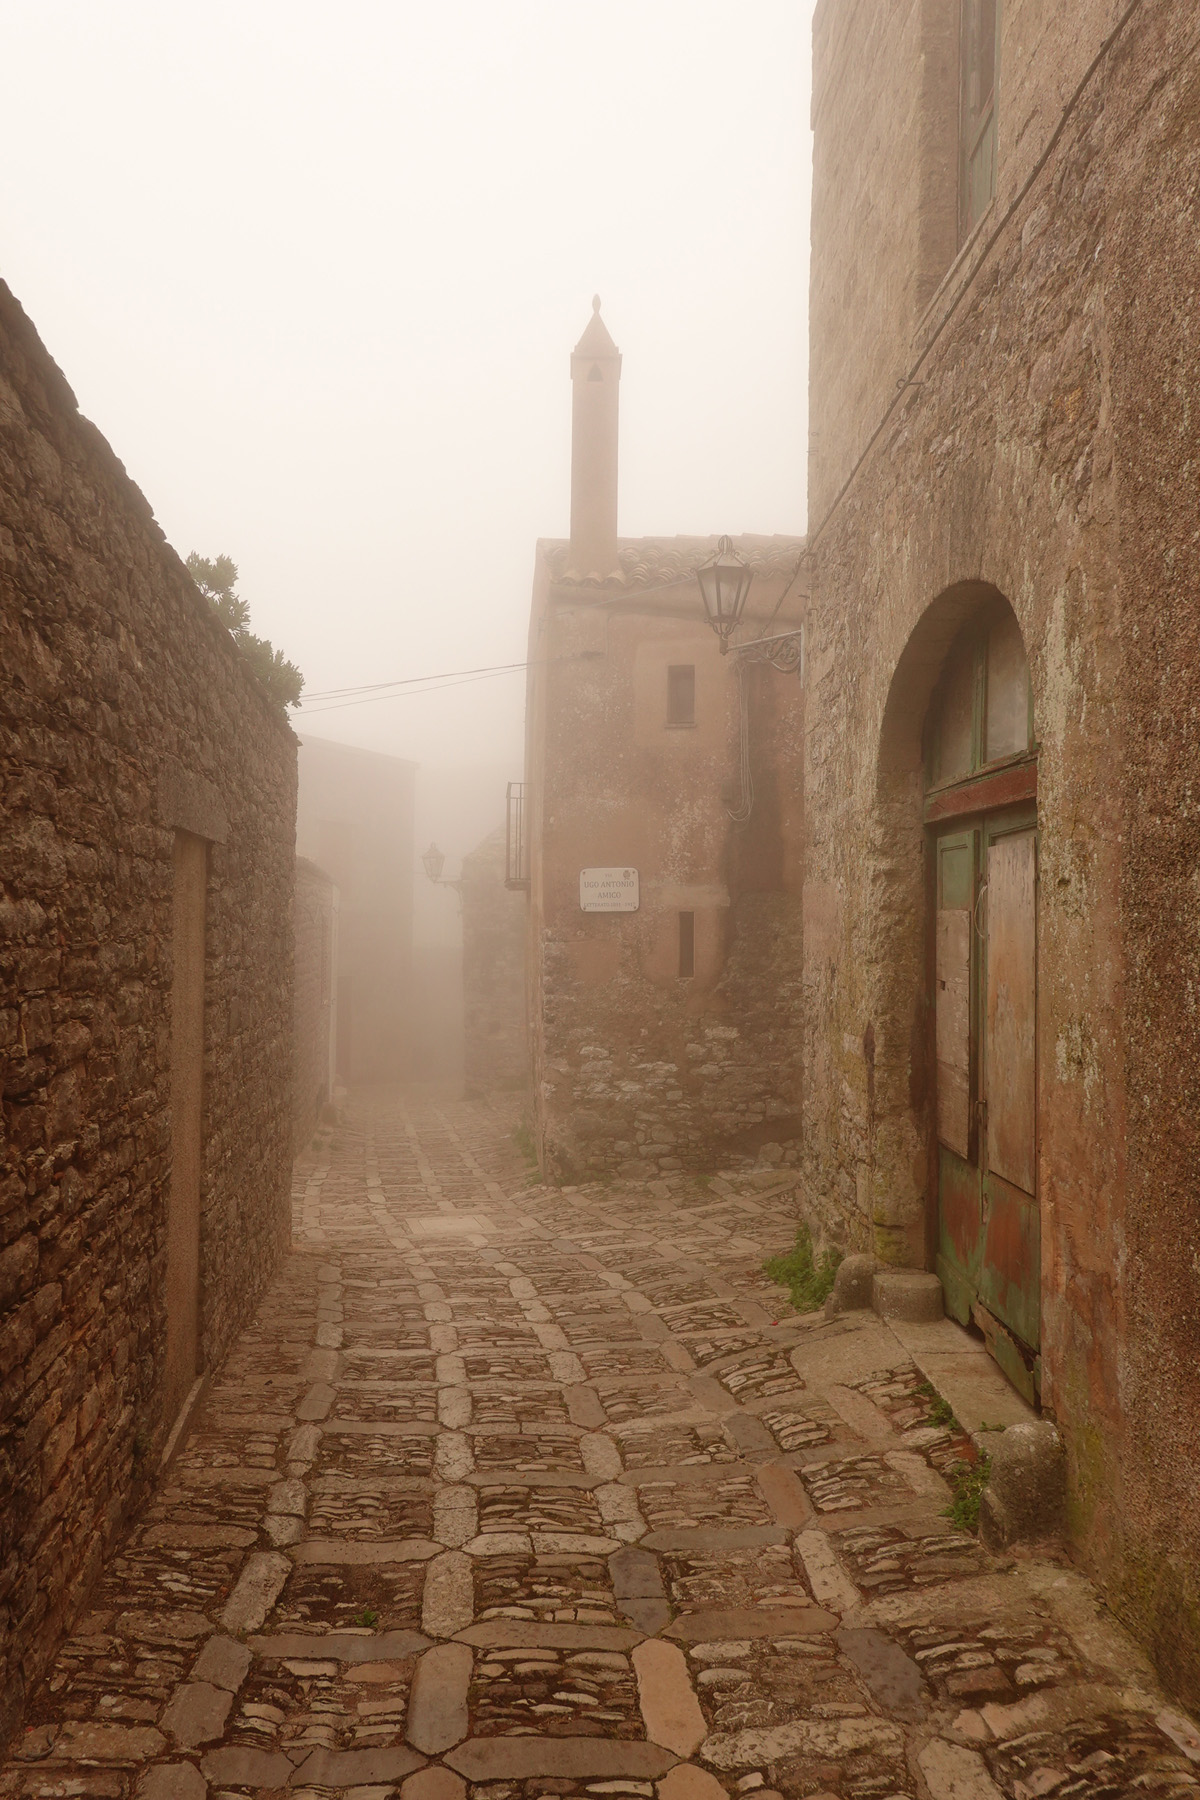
(808, 1279)
(216, 578)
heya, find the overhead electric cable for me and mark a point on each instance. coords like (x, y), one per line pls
(365, 698)
(411, 680)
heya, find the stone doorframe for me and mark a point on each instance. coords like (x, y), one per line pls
(902, 1139)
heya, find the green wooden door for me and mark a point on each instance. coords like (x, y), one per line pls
(985, 1009)
(960, 1192)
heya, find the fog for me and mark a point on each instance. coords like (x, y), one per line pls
(316, 273)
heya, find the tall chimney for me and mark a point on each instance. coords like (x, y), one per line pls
(595, 374)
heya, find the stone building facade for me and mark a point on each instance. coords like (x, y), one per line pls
(496, 1050)
(355, 821)
(1002, 1063)
(314, 1002)
(146, 868)
(666, 1036)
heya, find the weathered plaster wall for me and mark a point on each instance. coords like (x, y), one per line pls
(125, 713)
(1048, 453)
(315, 920)
(636, 1067)
(496, 1048)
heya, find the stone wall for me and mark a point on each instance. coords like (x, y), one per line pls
(126, 717)
(636, 1066)
(1030, 432)
(496, 1049)
(315, 921)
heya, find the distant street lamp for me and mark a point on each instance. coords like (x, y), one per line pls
(724, 586)
(435, 861)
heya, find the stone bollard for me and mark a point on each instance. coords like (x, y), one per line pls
(852, 1286)
(1025, 1498)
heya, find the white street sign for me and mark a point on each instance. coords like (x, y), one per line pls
(608, 890)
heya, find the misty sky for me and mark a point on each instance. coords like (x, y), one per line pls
(316, 272)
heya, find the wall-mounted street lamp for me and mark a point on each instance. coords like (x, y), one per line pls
(435, 861)
(724, 588)
(725, 581)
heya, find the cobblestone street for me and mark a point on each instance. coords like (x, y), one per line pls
(513, 1491)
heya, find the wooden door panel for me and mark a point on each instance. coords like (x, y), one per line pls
(960, 1232)
(1010, 1070)
(1010, 1273)
(953, 1029)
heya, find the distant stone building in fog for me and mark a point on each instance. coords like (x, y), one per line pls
(496, 1050)
(355, 822)
(668, 1035)
(314, 999)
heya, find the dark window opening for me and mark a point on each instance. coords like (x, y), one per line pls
(681, 694)
(687, 943)
(981, 716)
(979, 56)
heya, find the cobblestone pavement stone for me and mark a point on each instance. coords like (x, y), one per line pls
(525, 1492)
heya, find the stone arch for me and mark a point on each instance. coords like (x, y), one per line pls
(900, 1076)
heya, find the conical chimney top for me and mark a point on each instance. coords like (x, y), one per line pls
(596, 340)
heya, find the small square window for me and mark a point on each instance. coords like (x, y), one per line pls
(687, 943)
(681, 694)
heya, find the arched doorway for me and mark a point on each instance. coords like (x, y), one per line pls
(980, 813)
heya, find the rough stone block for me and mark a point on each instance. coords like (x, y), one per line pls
(517, 1759)
(448, 1601)
(909, 1294)
(223, 1662)
(669, 1706)
(343, 1768)
(238, 1765)
(256, 1591)
(172, 1781)
(952, 1772)
(434, 1784)
(437, 1704)
(1025, 1498)
(197, 1713)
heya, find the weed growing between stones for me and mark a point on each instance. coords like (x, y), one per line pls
(940, 1411)
(809, 1280)
(968, 1481)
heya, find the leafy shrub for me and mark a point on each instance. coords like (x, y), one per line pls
(809, 1281)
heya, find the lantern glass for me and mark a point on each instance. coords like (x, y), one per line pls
(724, 587)
(434, 862)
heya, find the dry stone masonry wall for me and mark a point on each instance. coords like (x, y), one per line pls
(126, 716)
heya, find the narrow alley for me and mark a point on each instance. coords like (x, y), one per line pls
(521, 1491)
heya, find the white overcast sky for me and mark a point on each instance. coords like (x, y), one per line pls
(316, 272)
